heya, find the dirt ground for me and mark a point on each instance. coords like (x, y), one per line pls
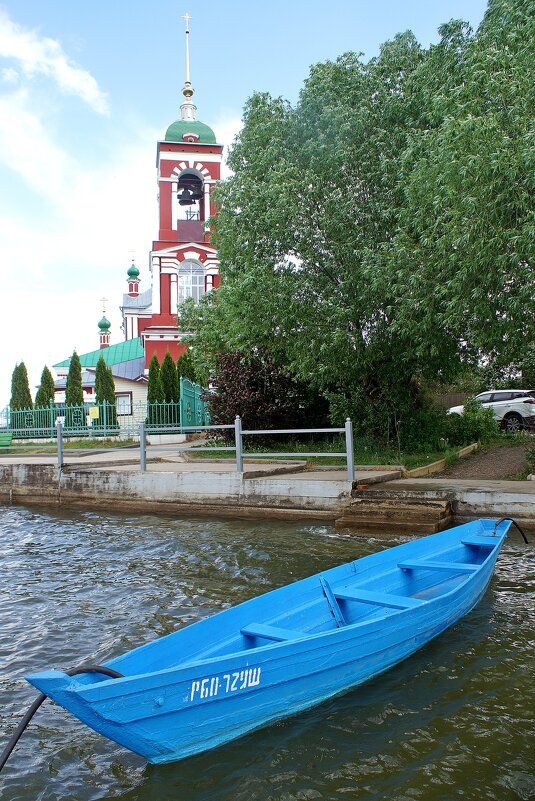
(490, 463)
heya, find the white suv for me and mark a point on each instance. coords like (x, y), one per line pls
(514, 409)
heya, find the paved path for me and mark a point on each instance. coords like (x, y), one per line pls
(162, 460)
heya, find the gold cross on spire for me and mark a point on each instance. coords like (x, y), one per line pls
(187, 17)
(104, 301)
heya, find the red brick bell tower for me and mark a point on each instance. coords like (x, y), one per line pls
(183, 263)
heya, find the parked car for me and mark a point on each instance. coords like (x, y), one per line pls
(514, 409)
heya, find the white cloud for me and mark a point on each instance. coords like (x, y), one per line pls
(26, 147)
(10, 75)
(225, 130)
(37, 55)
(54, 271)
(91, 215)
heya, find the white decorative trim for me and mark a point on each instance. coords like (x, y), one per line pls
(174, 205)
(156, 301)
(173, 293)
(206, 202)
(203, 158)
(158, 254)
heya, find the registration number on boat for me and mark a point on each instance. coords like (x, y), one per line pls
(225, 684)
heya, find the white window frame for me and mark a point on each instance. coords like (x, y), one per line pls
(120, 398)
(191, 281)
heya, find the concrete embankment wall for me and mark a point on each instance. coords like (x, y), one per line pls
(400, 506)
(195, 492)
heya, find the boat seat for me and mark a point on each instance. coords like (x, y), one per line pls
(481, 541)
(334, 606)
(451, 567)
(270, 632)
(378, 598)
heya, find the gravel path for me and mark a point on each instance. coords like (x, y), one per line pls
(489, 463)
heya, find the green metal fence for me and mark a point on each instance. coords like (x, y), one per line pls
(105, 419)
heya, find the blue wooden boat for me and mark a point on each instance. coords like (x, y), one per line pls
(285, 651)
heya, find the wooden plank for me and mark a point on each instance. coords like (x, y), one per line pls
(450, 567)
(333, 603)
(379, 598)
(481, 541)
(271, 632)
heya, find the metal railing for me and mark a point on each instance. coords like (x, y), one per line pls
(238, 447)
(143, 431)
(107, 419)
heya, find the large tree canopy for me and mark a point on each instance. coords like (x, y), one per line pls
(378, 232)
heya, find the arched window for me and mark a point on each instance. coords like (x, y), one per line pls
(190, 196)
(190, 281)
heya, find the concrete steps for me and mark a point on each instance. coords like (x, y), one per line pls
(392, 513)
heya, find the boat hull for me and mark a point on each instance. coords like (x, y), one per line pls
(173, 713)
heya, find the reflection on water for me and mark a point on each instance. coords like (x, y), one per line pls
(454, 721)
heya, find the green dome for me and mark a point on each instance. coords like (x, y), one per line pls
(104, 325)
(177, 129)
(133, 271)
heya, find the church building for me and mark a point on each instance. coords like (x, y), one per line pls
(183, 264)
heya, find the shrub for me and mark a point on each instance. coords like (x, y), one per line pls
(253, 386)
(476, 424)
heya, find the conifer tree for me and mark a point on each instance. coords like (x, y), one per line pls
(185, 367)
(20, 389)
(45, 393)
(105, 394)
(155, 393)
(74, 394)
(169, 376)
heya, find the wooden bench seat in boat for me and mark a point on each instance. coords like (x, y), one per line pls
(378, 598)
(480, 541)
(428, 564)
(270, 632)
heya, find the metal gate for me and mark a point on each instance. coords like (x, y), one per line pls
(193, 411)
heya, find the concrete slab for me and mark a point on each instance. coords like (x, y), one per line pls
(365, 477)
(459, 484)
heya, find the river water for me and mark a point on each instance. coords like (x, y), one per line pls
(455, 721)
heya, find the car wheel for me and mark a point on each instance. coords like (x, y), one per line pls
(512, 423)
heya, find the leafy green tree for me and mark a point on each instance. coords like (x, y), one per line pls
(377, 236)
(105, 395)
(464, 249)
(20, 389)
(45, 393)
(74, 394)
(313, 198)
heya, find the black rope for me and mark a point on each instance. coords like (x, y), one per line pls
(510, 520)
(6, 753)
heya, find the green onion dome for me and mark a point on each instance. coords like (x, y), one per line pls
(133, 272)
(104, 325)
(178, 130)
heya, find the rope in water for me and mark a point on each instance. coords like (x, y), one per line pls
(6, 753)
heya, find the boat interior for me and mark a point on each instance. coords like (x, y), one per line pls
(383, 584)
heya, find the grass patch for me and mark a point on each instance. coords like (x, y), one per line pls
(366, 453)
(94, 443)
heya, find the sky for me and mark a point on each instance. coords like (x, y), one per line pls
(86, 91)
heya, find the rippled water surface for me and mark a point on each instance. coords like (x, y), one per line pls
(455, 721)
